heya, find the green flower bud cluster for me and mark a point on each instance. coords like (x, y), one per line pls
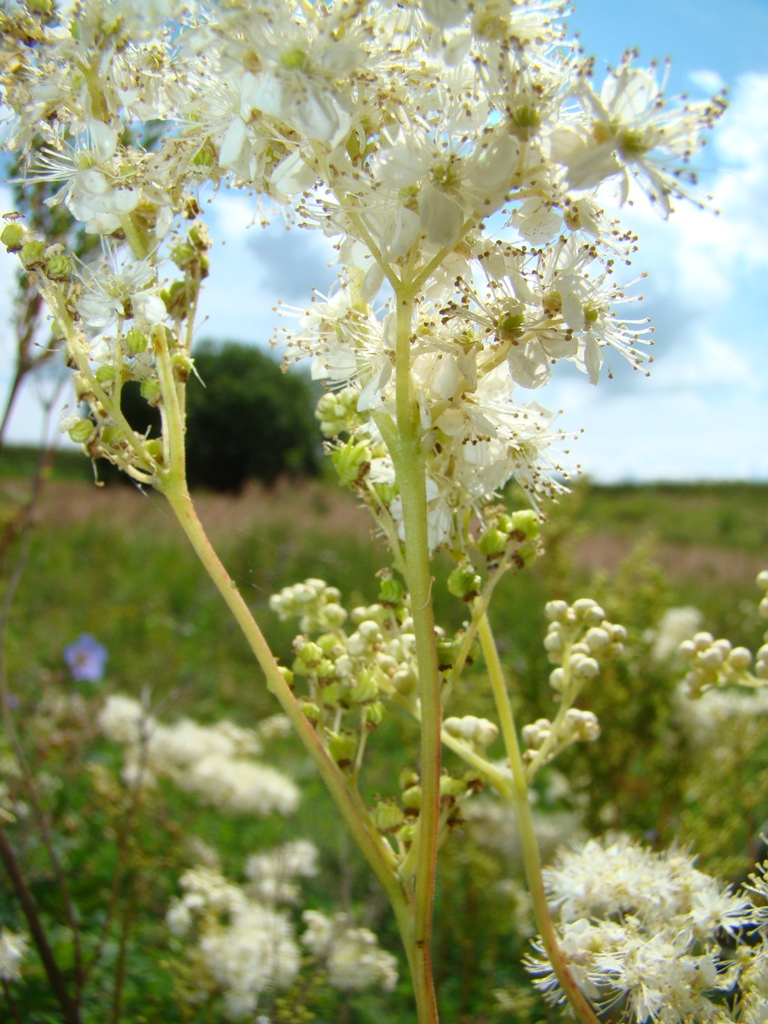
(36, 255)
(313, 603)
(512, 536)
(399, 819)
(337, 412)
(576, 726)
(714, 663)
(347, 673)
(478, 732)
(578, 639)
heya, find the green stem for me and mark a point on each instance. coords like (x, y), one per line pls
(528, 841)
(378, 856)
(172, 482)
(404, 444)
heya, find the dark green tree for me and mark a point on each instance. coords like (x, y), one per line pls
(246, 419)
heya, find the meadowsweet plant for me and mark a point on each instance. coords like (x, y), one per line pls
(458, 153)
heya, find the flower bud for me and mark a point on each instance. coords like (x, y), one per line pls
(412, 798)
(374, 714)
(405, 680)
(391, 591)
(136, 341)
(11, 236)
(464, 582)
(311, 711)
(342, 746)
(82, 431)
(556, 611)
(32, 253)
(351, 461)
(740, 659)
(387, 816)
(182, 367)
(151, 391)
(557, 679)
(492, 543)
(58, 267)
(451, 788)
(365, 688)
(526, 521)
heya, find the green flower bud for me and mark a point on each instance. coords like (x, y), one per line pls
(412, 798)
(112, 436)
(154, 449)
(286, 674)
(331, 695)
(11, 236)
(405, 680)
(526, 555)
(183, 255)
(351, 461)
(387, 816)
(446, 653)
(391, 591)
(82, 431)
(105, 373)
(492, 543)
(464, 582)
(309, 656)
(311, 711)
(342, 746)
(58, 267)
(32, 253)
(451, 788)
(176, 299)
(407, 834)
(151, 391)
(365, 689)
(136, 341)
(374, 715)
(182, 367)
(526, 522)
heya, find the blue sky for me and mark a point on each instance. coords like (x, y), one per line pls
(703, 414)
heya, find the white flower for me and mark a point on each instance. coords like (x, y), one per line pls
(13, 949)
(122, 287)
(352, 955)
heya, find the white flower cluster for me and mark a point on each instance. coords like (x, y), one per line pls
(247, 944)
(675, 626)
(352, 956)
(213, 762)
(649, 934)
(414, 134)
(13, 949)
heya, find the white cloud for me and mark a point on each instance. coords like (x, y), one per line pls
(706, 80)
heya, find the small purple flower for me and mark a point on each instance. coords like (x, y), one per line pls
(86, 658)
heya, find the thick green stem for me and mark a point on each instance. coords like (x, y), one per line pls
(404, 443)
(529, 844)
